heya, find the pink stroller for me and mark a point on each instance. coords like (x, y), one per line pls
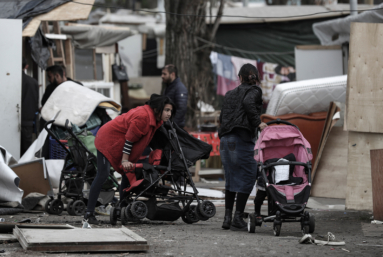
(287, 199)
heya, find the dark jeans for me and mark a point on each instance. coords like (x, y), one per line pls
(103, 171)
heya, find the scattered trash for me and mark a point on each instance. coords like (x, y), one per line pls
(2, 220)
(2, 251)
(37, 220)
(308, 239)
(376, 222)
(364, 242)
(25, 221)
(345, 250)
(85, 224)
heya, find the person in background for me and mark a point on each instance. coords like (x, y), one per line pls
(121, 142)
(239, 119)
(29, 107)
(176, 91)
(56, 75)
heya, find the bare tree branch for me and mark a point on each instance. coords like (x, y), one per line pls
(217, 20)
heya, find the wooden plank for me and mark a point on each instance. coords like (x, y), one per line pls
(330, 178)
(69, 58)
(329, 123)
(80, 240)
(318, 47)
(196, 172)
(364, 86)
(94, 65)
(67, 12)
(377, 183)
(59, 44)
(359, 183)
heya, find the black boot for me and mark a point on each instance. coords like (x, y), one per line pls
(238, 223)
(89, 216)
(227, 219)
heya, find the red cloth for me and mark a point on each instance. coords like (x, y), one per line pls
(137, 126)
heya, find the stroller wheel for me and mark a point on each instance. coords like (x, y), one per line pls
(207, 209)
(48, 206)
(78, 208)
(312, 224)
(192, 215)
(129, 216)
(56, 207)
(113, 216)
(139, 209)
(277, 230)
(185, 217)
(251, 223)
(199, 214)
(123, 216)
(69, 208)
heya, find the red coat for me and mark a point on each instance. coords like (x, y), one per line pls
(138, 126)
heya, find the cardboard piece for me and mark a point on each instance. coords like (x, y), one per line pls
(331, 173)
(364, 85)
(33, 177)
(331, 119)
(80, 240)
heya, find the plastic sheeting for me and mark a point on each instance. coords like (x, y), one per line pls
(26, 10)
(337, 32)
(266, 42)
(95, 36)
(9, 181)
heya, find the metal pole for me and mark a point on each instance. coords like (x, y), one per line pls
(245, 3)
(353, 7)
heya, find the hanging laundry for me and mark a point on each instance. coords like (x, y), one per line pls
(225, 67)
(224, 85)
(238, 62)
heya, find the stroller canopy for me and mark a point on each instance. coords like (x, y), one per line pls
(279, 141)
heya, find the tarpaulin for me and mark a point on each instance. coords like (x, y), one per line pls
(95, 36)
(337, 32)
(274, 38)
(26, 10)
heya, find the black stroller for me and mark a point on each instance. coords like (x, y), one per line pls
(174, 151)
(80, 166)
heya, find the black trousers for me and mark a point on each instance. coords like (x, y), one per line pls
(103, 171)
(26, 138)
(258, 201)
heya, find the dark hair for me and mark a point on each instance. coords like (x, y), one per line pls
(24, 62)
(172, 68)
(278, 69)
(55, 69)
(249, 74)
(158, 102)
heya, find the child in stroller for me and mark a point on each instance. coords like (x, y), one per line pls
(284, 161)
(174, 152)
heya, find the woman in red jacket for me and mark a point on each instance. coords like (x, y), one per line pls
(121, 141)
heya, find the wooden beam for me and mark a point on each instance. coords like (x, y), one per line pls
(69, 58)
(94, 65)
(377, 182)
(144, 36)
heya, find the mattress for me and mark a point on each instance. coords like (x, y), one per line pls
(307, 96)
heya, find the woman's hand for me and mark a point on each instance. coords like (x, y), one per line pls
(127, 165)
(262, 126)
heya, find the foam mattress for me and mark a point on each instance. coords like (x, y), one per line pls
(307, 96)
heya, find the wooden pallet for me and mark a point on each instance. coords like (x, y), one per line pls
(80, 240)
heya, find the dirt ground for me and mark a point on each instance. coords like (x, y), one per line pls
(206, 238)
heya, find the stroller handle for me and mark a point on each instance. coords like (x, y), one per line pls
(279, 121)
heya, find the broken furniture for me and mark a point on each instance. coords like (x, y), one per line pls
(80, 240)
(311, 126)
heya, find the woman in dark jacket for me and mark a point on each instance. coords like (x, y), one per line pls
(240, 117)
(121, 141)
